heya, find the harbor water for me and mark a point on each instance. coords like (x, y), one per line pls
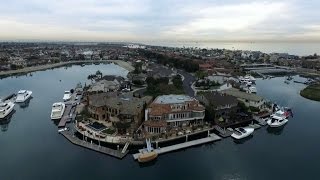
(31, 148)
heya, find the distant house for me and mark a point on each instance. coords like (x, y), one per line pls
(18, 61)
(250, 100)
(104, 86)
(205, 67)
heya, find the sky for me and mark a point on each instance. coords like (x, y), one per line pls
(160, 20)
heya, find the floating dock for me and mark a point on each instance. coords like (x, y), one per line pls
(212, 137)
(94, 147)
(66, 115)
(222, 132)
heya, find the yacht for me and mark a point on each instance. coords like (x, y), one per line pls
(281, 113)
(57, 110)
(277, 121)
(5, 109)
(252, 89)
(251, 78)
(67, 96)
(23, 95)
(240, 133)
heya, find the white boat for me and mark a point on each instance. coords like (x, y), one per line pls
(280, 113)
(5, 109)
(23, 95)
(277, 121)
(57, 110)
(67, 96)
(251, 89)
(63, 129)
(251, 78)
(240, 133)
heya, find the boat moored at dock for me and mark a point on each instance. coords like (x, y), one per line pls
(57, 110)
(242, 132)
(6, 108)
(277, 121)
(23, 95)
(147, 154)
(66, 96)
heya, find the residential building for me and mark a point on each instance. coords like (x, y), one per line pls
(126, 113)
(169, 111)
(250, 100)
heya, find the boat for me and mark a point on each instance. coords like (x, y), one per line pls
(284, 112)
(147, 155)
(57, 110)
(67, 96)
(6, 108)
(242, 132)
(63, 129)
(23, 95)
(277, 121)
(252, 89)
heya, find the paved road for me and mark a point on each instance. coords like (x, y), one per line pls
(188, 80)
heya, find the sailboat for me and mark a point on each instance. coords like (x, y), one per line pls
(149, 154)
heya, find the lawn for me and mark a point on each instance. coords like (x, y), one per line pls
(311, 92)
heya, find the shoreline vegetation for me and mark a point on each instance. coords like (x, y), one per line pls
(120, 63)
(311, 92)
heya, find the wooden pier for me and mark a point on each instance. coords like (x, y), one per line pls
(222, 132)
(101, 149)
(66, 116)
(212, 137)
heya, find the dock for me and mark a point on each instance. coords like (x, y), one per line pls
(101, 149)
(66, 116)
(212, 137)
(222, 132)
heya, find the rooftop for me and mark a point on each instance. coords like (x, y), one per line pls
(172, 99)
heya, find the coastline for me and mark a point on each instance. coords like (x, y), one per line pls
(120, 63)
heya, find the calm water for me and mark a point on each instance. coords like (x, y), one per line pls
(31, 148)
(294, 48)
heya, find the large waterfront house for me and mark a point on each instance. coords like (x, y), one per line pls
(125, 112)
(223, 109)
(170, 111)
(104, 86)
(250, 100)
(219, 104)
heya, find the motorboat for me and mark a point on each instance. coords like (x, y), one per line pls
(252, 89)
(148, 154)
(23, 95)
(6, 108)
(67, 96)
(281, 113)
(242, 132)
(63, 129)
(277, 121)
(251, 78)
(57, 110)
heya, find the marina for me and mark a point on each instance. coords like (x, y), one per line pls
(201, 157)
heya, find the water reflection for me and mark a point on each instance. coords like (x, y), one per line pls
(276, 131)
(25, 104)
(148, 164)
(242, 141)
(4, 123)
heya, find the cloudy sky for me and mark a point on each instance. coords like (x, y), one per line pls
(160, 20)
